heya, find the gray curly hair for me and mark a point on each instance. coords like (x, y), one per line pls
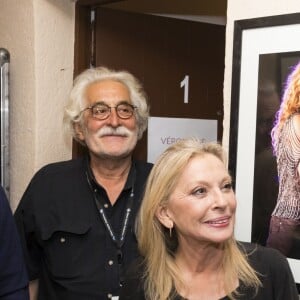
(77, 99)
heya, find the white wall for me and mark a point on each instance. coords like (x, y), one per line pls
(246, 9)
(39, 34)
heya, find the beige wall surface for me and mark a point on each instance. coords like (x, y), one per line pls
(39, 35)
(246, 9)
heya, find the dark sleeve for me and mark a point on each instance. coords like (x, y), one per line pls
(13, 275)
(132, 288)
(25, 221)
(275, 274)
(283, 281)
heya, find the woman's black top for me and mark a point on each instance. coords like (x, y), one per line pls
(272, 268)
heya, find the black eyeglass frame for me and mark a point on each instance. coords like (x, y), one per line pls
(133, 107)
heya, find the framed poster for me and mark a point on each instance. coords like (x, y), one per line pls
(264, 51)
(162, 132)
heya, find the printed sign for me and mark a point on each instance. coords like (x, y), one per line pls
(163, 132)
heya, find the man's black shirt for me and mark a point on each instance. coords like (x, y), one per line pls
(66, 245)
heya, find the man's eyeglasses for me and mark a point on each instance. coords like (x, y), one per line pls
(102, 111)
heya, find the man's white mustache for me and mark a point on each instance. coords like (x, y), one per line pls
(122, 131)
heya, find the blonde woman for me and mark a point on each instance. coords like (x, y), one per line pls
(185, 234)
(285, 221)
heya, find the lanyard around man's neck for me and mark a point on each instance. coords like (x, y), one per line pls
(99, 203)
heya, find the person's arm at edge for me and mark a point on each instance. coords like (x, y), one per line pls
(14, 281)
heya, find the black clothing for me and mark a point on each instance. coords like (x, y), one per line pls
(67, 247)
(272, 267)
(13, 275)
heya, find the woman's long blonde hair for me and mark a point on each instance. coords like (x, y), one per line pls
(155, 244)
(290, 103)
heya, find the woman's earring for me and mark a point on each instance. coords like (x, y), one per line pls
(170, 230)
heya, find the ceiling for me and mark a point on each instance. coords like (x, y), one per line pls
(198, 10)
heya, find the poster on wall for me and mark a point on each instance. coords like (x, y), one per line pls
(163, 132)
(273, 71)
(265, 53)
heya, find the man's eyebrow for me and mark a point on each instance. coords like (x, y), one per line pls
(119, 102)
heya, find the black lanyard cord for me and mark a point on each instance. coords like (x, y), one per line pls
(118, 242)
